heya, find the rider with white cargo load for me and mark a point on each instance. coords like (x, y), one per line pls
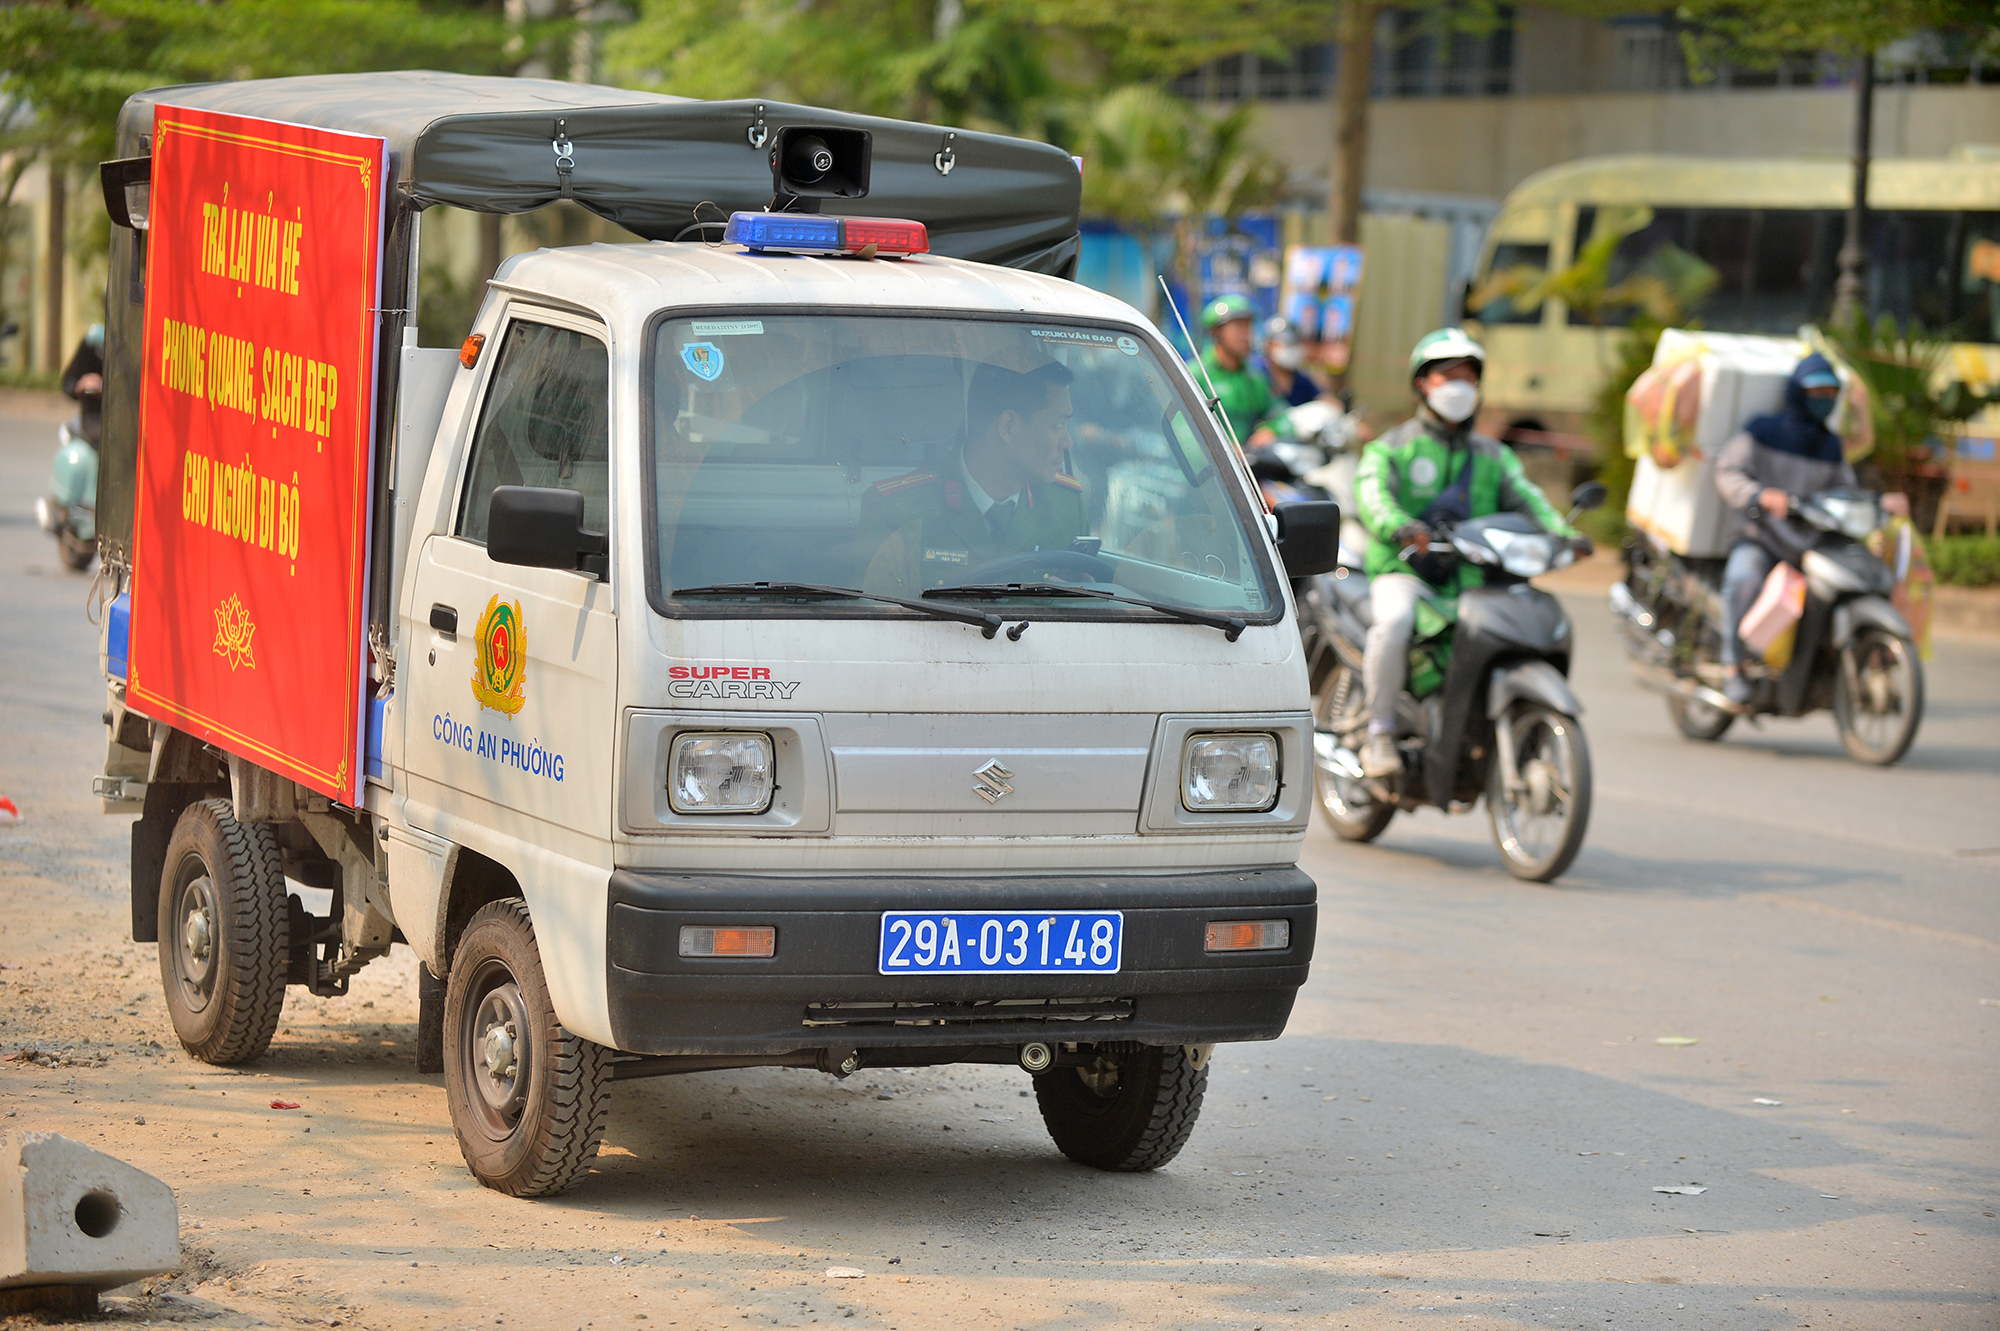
(1789, 452)
(1433, 468)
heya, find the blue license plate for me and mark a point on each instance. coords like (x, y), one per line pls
(1006, 942)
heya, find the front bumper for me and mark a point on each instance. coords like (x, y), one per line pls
(822, 988)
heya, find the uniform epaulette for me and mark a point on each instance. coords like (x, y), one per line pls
(1071, 481)
(898, 483)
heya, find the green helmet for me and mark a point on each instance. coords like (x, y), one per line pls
(1445, 344)
(1226, 309)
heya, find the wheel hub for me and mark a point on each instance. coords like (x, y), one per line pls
(500, 1055)
(194, 951)
(198, 934)
(498, 1051)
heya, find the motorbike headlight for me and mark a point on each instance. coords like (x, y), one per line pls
(1230, 773)
(1523, 554)
(721, 773)
(1856, 518)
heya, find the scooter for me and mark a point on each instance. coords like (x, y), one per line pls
(1852, 652)
(1487, 710)
(69, 510)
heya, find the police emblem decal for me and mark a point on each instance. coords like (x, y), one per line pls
(992, 782)
(499, 669)
(703, 359)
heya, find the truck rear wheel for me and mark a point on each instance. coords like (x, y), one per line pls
(529, 1101)
(223, 934)
(1126, 1112)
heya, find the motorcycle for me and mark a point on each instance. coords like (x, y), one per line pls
(1487, 709)
(69, 511)
(1851, 653)
(1318, 461)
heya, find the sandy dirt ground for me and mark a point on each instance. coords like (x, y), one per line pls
(1463, 1126)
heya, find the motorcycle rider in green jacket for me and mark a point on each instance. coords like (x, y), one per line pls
(1243, 393)
(1431, 469)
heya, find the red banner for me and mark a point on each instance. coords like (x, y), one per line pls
(256, 412)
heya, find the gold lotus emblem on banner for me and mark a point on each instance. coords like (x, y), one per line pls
(499, 671)
(233, 631)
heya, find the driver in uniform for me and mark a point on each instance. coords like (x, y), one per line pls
(1004, 493)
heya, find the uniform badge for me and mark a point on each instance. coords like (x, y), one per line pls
(500, 665)
(1423, 471)
(703, 359)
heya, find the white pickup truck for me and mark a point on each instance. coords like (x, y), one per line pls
(792, 647)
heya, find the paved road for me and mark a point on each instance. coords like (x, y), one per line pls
(1465, 1123)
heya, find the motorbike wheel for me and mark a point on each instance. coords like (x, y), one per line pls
(76, 552)
(1697, 720)
(1878, 697)
(1540, 827)
(1351, 811)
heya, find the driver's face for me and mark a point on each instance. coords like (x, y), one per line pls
(1035, 443)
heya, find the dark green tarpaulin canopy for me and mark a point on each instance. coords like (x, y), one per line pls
(644, 161)
(647, 161)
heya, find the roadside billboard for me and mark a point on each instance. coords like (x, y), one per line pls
(249, 544)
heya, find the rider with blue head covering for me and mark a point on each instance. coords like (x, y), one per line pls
(1789, 452)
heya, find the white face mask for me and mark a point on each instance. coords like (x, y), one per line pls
(1289, 357)
(1454, 400)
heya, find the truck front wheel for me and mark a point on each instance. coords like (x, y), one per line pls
(223, 932)
(1127, 1112)
(529, 1101)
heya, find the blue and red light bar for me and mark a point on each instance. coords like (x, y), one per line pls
(811, 233)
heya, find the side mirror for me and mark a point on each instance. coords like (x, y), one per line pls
(537, 527)
(127, 184)
(1589, 495)
(1308, 537)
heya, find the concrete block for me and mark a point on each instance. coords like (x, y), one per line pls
(73, 1216)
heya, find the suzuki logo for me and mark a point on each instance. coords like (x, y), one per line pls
(993, 779)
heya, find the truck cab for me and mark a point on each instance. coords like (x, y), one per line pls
(800, 649)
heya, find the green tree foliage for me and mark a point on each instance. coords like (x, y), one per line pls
(1759, 33)
(1160, 166)
(981, 64)
(76, 62)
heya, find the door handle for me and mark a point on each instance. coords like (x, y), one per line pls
(444, 619)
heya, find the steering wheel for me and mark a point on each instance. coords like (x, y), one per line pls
(1069, 565)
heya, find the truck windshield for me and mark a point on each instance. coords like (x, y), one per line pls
(909, 455)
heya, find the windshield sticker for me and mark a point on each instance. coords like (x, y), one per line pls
(1129, 345)
(1089, 337)
(704, 359)
(727, 327)
(719, 681)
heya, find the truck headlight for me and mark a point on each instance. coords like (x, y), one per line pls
(721, 773)
(1230, 773)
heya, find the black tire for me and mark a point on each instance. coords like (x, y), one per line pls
(1129, 1112)
(1351, 809)
(1878, 697)
(1539, 832)
(223, 934)
(1697, 720)
(76, 552)
(526, 1132)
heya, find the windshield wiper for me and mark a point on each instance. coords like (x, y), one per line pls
(989, 623)
(1232, 627)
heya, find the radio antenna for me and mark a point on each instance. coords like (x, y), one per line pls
(1214, 401)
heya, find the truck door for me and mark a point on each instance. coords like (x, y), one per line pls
(511, 676)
